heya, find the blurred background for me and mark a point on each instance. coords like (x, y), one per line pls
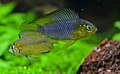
(105, 14)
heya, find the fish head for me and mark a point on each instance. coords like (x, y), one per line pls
(14, 49)
(83, 29)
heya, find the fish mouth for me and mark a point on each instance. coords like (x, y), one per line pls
(96, 29)
(11, 49)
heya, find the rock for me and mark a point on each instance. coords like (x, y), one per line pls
(104, 59)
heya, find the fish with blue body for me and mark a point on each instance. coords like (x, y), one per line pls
(68, 30)
(60, 25)
(63, 24)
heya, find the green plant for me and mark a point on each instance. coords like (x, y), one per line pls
(117, 35)
(9, 24)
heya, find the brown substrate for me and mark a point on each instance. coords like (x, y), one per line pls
(105, 59)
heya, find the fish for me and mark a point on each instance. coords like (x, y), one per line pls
(30, 43)
(61, 25)
(68, 30)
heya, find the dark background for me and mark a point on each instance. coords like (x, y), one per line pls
(102, 13)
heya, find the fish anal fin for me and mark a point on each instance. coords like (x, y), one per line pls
(66, 45)
(27, 57)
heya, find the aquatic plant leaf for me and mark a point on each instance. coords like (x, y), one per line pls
(117, 24)
(9, 24)
(116, 36)
(5, 9)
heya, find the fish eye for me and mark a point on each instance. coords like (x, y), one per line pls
(13, 49)
(89, 28)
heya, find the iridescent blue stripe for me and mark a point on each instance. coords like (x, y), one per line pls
(59, 30)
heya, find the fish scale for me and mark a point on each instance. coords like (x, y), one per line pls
(59, 30)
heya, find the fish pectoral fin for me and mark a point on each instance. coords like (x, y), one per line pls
(30, 33)
(53, 41)
(28, 58)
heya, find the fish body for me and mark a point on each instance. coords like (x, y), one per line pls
(68, 30)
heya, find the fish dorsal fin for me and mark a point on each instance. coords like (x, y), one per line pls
(58, 16)
(28, 26)
(30, 33)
